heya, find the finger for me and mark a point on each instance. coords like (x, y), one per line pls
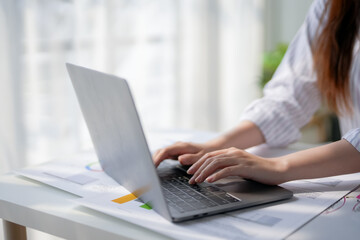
(213, 166)
(189, 159)
(204, 165)
(155, 154)
(159, 157)
(225, 172)
(173, 151)
(196, 165)
(165, 154)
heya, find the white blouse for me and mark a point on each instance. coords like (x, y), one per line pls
(292, 96)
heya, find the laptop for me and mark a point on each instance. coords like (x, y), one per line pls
(120, 144)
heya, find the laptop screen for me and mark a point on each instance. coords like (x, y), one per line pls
(115, 129)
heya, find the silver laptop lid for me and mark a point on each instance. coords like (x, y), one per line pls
(117, 135)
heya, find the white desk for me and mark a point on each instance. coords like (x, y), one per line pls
(38, 206)
(32, 204)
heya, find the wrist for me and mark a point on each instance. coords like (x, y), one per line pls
(216, 144)
(282, 168)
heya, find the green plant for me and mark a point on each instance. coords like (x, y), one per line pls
(271, 61)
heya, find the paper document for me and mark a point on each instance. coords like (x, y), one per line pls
(271, 221)
(340, 221)
(81, 175)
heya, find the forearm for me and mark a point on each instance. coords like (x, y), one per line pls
(332, 159)
(245, 135)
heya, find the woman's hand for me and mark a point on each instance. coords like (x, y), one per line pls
(243, 136)
(235, 162)
(186, 153)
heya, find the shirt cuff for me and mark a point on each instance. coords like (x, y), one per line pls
(278, 131)
(353, 137)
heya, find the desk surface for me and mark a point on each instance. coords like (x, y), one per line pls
(33, 204)
(51, 210)
(41, 207)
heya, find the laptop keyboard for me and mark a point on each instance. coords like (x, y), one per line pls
(185, 197)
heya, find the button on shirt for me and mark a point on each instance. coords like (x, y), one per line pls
(292, 96)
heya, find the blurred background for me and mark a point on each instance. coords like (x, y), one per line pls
(191, 65)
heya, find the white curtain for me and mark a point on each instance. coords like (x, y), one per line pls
(12, 145)
(219, 59)
(191, 64)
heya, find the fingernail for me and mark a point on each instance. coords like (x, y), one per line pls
(191, 181)
(209, 179)
(198, 179)
(189, 171)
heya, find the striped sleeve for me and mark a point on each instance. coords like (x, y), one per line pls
(353, 137)
(291, 97)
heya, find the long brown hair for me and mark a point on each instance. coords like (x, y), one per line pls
(333, 52)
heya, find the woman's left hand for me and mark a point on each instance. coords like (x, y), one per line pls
(235, 162)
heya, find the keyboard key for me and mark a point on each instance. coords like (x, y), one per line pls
(209, 203)
(214, 189)
(199, 205)
(193, 194)
(191, 200)
(200, 198)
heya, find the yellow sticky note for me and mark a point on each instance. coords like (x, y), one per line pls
(124, 199)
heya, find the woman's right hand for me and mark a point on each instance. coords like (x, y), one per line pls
(187, 153)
